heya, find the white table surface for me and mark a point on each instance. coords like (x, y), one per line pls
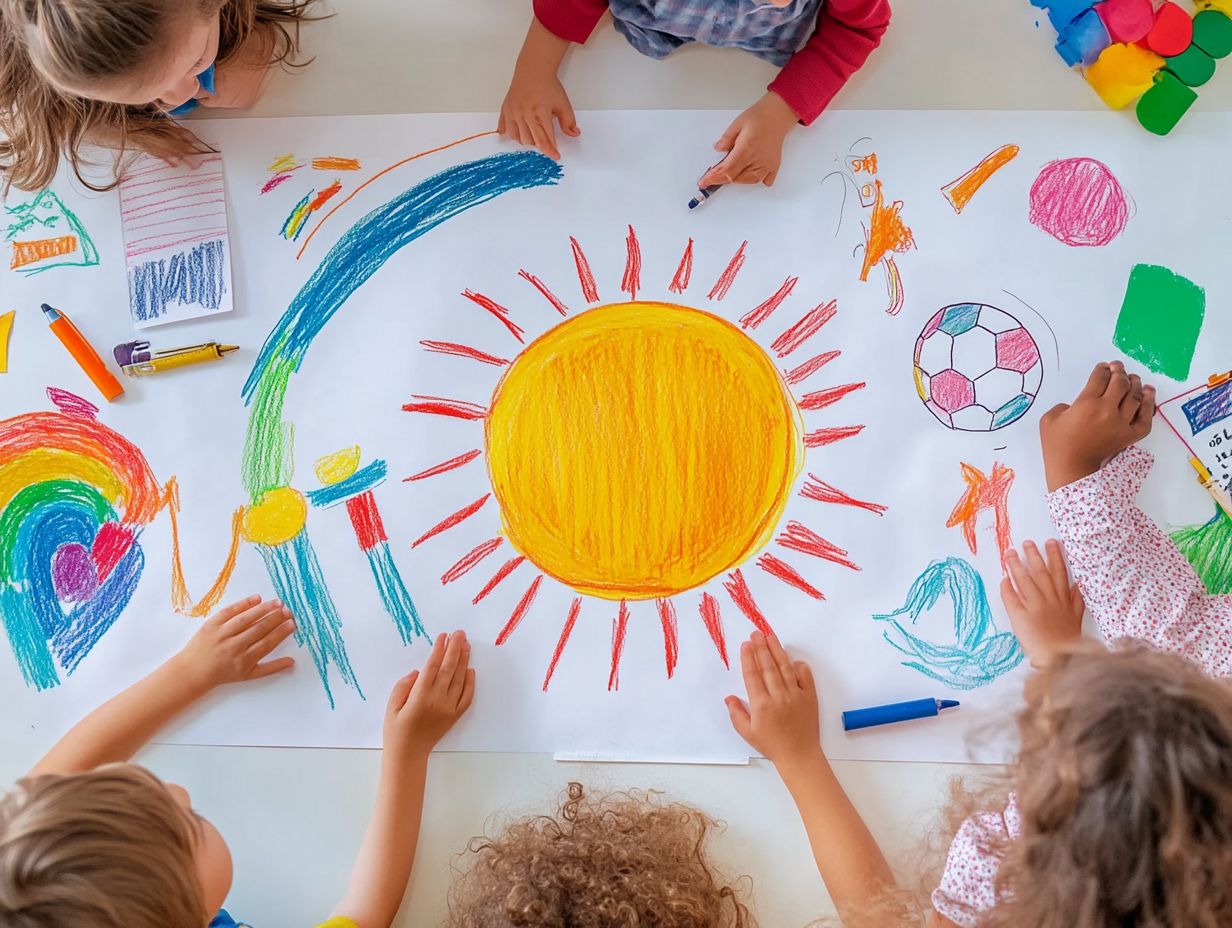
(294, 818)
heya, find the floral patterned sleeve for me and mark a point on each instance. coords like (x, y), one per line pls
(968, 885)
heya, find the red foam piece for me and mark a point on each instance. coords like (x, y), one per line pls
(1172, 32)
(1127, 20)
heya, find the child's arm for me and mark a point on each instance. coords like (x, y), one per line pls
(1136, 582)
(781, 722)
(230, 647)
(422, 708)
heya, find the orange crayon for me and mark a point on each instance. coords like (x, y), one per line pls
(83, 353)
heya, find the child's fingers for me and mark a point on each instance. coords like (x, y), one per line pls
(1009, 596)
(1133, 399)
(260, 624)
(782, 661)
(768, 180)
(1145, 416)
(767, 666)
(727, 139)
(1040, 574)
(1118, 384)
(1077, 601)
(457, 678)
(231, 610)
(269, 668)
(566, 118)
(544, 135)
(741, 721)
(468, 691)
(432, 666)
(401, 691)
(1024, 584)
(500, 123)
(270, 640)
(804, 676)
(455, 652)
(1057, 569)
(754, 684)
(1097, 383)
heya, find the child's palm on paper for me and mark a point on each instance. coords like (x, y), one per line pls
(426, 703)
(1045, 609)
(782, 718)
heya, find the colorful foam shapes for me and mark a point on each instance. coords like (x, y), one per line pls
(1172, 32)
(1161, 107)
(1063, 12)
(6, 326)
(1122, 73)
(1127, 20)
(1083, 40)
(1192, 67)
(1223, 6)
(1212, 32)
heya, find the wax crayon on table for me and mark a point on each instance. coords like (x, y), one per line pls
(83, 353)
(854, 719)
(703, 194)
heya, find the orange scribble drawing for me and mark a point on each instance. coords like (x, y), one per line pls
(984, 492)
(886, 231)
(335, 164)
(959, 192)
(866, 164)
(181, 599)
(41, 249)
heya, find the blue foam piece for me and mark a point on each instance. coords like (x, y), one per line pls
(1083, 40)
(1063, 12)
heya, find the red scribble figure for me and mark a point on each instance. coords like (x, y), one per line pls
(982, 493)
(1079, 201)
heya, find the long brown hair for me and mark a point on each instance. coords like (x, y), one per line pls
(79, 41)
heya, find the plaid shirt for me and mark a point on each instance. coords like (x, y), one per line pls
(658, 27)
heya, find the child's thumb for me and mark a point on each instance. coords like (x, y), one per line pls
(741, 721)
(727, 140)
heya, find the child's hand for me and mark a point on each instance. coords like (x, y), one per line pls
(425, 704)
(754, 144)
(1045, 608)
(536, 97)
(1113, 411)
(781, 720)
(232, 644)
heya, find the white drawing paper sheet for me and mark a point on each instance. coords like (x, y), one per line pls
(627, 179)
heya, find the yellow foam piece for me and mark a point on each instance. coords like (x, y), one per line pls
(1223, 6)
(336, 467)
(280, 516)
(6, 326)
(1123, 73)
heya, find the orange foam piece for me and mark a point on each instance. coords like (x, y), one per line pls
(1122, 73)
(40, 249)
(1172, 32)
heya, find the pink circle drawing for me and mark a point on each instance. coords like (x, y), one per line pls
(1078, 201)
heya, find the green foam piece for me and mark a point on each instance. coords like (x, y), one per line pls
(1213, 33)
(1193, 66)
(1161, 107)
(1161, 319)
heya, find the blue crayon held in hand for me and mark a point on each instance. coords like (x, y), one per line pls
(703, 194)
(895, 712)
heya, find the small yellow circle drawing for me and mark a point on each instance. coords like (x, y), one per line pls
(279, 517)
(640, 449)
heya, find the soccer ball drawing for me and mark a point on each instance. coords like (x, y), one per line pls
(977, 368)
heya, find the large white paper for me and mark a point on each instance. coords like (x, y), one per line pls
(622, 192)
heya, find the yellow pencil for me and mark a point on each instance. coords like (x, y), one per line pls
(1212, 487)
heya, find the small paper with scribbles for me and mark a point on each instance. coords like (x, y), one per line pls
(1208, 416)
(176, 242)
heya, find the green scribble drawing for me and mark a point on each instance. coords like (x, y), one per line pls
(1209, 548)
(1161, 319)
(46, 218)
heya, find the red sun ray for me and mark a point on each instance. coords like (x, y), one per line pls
(631, 282)
(709, 609)
(505, 570)
(760, 313)
(520, 610)
(816, 489)
(470, 559)
(620, 627)
(590, 292)
(738, 589)
(543, 289)
(451, 409)
(450, 521)
(810, 367)
(801, 538)
(805, 329)
(788, 574)
(819, 437)
(565, 632)
(465, 351)
(671, 640)
(820, 399)
(728, 277)
(445, 466)
(500, 313)
(684, 270)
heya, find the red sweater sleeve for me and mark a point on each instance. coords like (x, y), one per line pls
(573, 20)
(846, 34)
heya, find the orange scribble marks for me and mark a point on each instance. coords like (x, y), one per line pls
(801, 538)
(805, 329)
(32, 252)
(324, 196)
(333, 163)
(445, 466)
(465, 351)
(671, 640)
(470, 559)
(864, 164)
(450, 409)
(543, 289)
(574, 609)
(520, 610)
(820, 399)
(985, 492)
(620, 627)
(505, 570)
(631, 280)
(709, 610)
(181, 600)
(886, 232)
(760, 313)
(498, 312)
(684, 270)
(960, 191)
(738, 589)
(894, 287)
(819, 437)
(783, 571)
(809, 367)
(586, 277)
(819, 491)
(450, 521)
(728, 277)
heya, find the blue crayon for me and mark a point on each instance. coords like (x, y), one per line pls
(703, 194)
(895, 712)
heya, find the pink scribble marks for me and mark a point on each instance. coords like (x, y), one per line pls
(185, 208)
(820, 491)
(952, 391)
(543, 289)
(1017, 351)
(684, 271)
(631, 280)
(574, 609)
(728, 277)
(708, 608)
(586, 277)
(73, 573)
(500, 313)
(797, 537)
(274, 182)
(620, 628)
(760, 313)
(1078, 201)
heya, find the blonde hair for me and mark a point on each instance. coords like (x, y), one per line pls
(611, 861)
(46, 44)
(105, 849)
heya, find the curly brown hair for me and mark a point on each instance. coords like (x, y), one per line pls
(622, 860)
